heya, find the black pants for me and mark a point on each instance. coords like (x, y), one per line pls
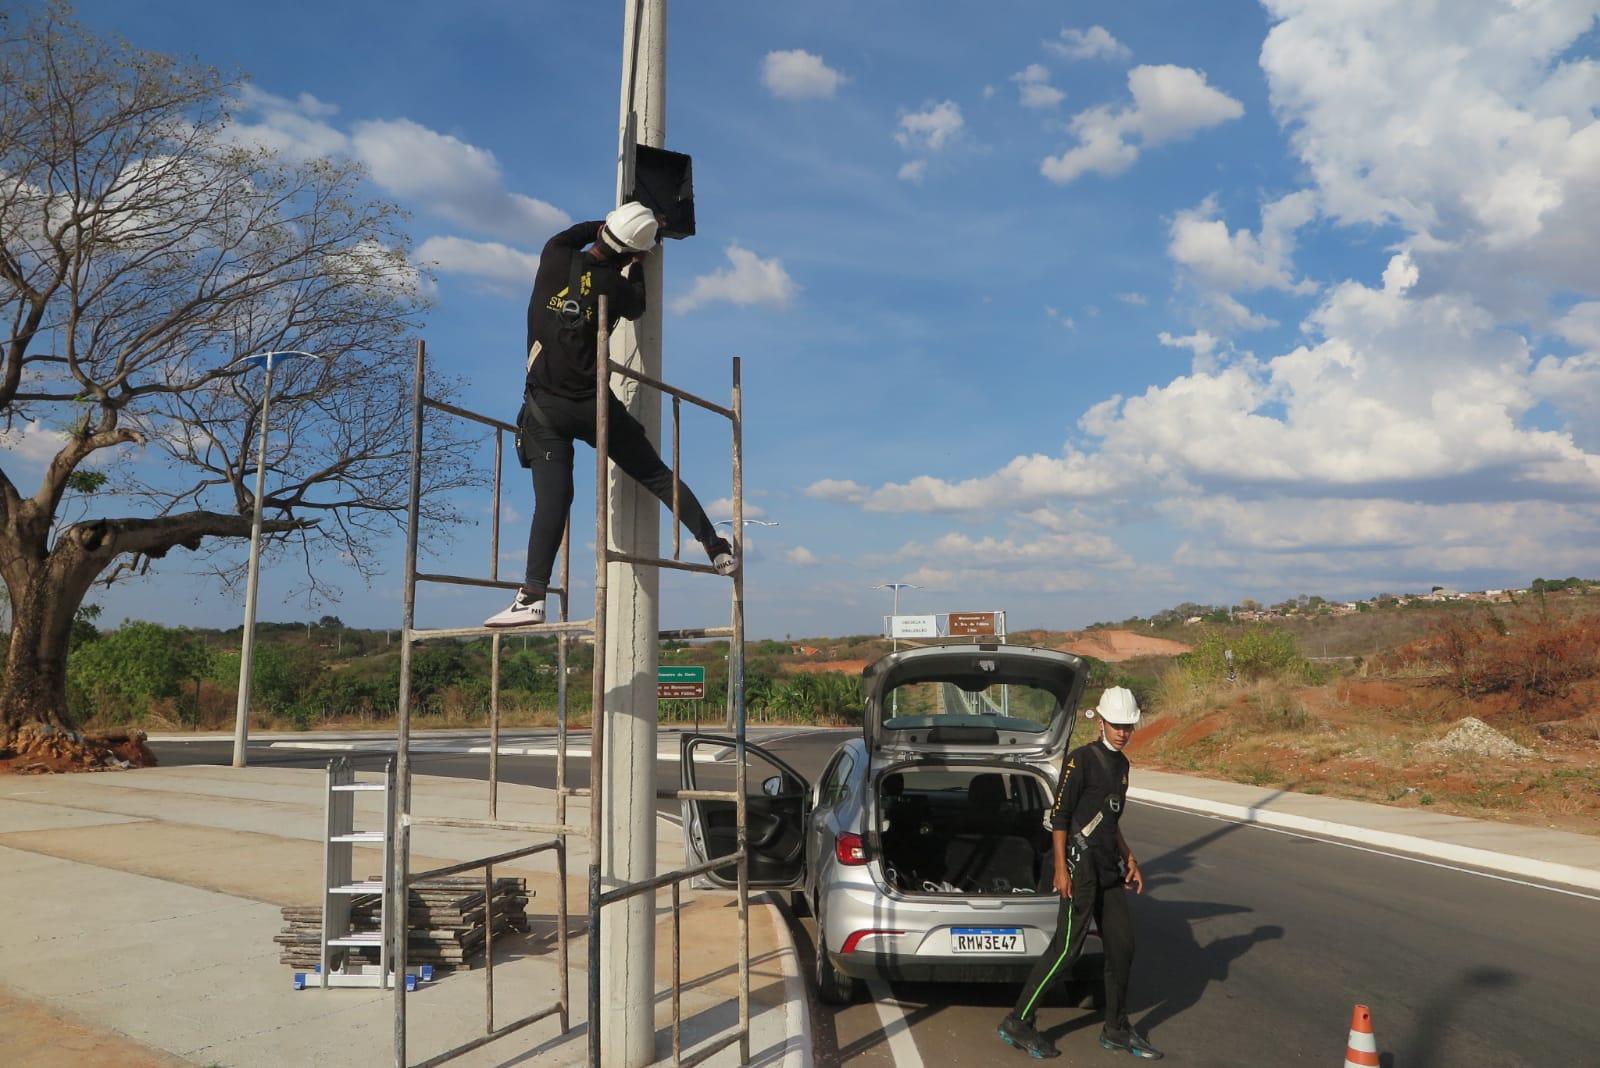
(547, 450)
(1108, 905)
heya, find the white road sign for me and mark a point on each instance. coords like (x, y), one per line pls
(913, 626)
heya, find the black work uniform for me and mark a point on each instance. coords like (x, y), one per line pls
(559, 400)
(1089, 801)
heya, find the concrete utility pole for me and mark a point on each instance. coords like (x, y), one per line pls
(628, 848)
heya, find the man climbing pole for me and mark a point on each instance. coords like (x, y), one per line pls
(577, 267)
(1093, 867)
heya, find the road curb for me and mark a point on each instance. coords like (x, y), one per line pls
(1505, 863)
(798, 1051)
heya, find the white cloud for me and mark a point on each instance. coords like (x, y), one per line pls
(722, 508)
(1581, 325)
(1081, 546)
(1471, 125)
(802, 556)
(1239, 261)
(487, 260)
(1169, 103)
(835, 489)
(1138, 300)
(1201, 343)
(294, 128)
(460, 181)
(931, 129)
(32, 441)
(1065, 320)
(748, 280)
(1034, 88)
(1343, 536)
(429, 170)
(1094, 43)
(800, 75)
(1419, 397)
(913, 170)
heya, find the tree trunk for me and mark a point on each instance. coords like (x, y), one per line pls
(36, 661)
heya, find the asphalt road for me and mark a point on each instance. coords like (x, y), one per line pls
(1253, 947)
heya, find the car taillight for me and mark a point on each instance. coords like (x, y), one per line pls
(849, 850)
(855, 937)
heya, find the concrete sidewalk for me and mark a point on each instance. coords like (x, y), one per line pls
(1552, 856)
(142, 906)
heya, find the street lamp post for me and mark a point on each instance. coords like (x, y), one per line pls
(247, 643)
(894, 642)
(896, 587)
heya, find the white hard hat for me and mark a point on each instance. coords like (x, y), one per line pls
(630, 228)
(1118, 707)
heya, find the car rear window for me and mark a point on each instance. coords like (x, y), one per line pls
(931, 703)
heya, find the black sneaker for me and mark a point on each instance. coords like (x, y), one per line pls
(1130, 1041)
(1020, 1034)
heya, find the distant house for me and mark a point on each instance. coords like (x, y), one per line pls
(1192, 620)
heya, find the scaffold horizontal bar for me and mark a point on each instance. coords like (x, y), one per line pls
(627, 890)
(576, 791)
(699, 795)
(684, 633)
(444, 406)
(469, 823)
(467, 580)
(700, 1056)
(615, 557)
(482, 862)
(498, 1032)
(576, 626)
(656, 383)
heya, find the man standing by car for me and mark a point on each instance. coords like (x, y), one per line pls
(1093, 869)
(559, 399)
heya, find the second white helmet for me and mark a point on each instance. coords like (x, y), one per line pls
(630, 228)
(1118, 707)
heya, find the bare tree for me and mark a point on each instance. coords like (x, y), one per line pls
(144, 246)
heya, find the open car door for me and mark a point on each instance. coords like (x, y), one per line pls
(777, 800)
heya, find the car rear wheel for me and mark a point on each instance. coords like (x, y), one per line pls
(833, 986)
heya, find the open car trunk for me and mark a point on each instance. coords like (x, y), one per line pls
(963, 830)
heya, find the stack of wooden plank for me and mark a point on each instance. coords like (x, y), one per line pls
(445, 921)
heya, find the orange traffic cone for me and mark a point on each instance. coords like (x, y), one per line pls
(1361, 1051)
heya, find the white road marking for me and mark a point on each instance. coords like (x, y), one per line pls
(438, 748)
(896, 1029)
(1378, 852)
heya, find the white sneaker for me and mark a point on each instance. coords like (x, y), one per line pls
(723, 560)
(521, 612)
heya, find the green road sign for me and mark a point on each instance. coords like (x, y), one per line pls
(680, 683)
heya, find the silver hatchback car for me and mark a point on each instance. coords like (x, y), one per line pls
(923, 851)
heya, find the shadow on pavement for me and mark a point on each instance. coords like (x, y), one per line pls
(1436, 1018)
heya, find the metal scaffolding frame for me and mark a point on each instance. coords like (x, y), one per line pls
(398, 878)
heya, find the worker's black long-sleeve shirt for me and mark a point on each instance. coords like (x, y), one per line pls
(1090, 797)
(563, 362)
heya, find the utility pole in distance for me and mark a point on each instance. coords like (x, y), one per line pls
(628, 845)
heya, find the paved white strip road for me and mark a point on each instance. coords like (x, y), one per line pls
(896, 1028)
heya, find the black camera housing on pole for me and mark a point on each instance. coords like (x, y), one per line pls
(663, 181)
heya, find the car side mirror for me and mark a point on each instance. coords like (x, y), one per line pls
(772, 786)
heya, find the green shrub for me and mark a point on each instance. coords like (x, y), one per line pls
(120, 674)
(1259, 652)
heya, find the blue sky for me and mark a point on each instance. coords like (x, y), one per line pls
(1074, 310)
